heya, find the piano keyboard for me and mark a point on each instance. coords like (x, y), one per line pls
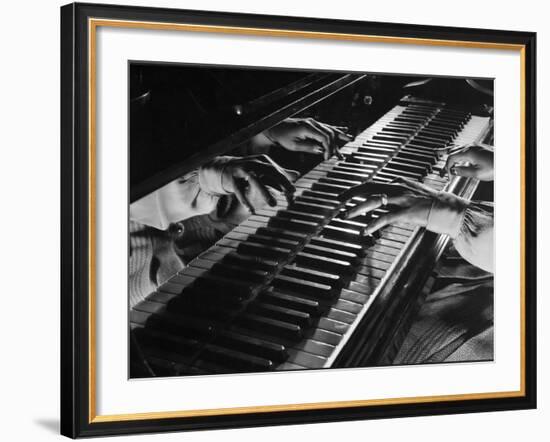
(287, 288)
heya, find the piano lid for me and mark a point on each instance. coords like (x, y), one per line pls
(184, 115)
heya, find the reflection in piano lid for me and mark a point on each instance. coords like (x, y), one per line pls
(296, 286)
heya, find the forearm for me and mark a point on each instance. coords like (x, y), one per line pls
(195, 193)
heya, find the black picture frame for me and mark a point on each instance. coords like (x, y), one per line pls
(76, 416)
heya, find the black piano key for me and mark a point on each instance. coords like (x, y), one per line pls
(414, 147)
(181, 325)
(270, 252)
(314, 208)
(233, 271)
(305, 216)
(274, 241)
(330, 196)
(313, 307)
(229, 286)
(316, 200)
(418, 141)
(409, 166)
(285, 314)
(398, 130)
(331, 252)
(254, 262)
(300, 285)
(388, 175)
(338, 173)
(419, 160)
(367, 159)
(270, 326)
(389, 169)
(381, 149)
(414, 154)
(343, 246)
(336, 189)
(342, 234)
(235, 359)
(304, 259)
(294, 224)
(316, 276)
(300, 238)
(252, 345)
(185, 348)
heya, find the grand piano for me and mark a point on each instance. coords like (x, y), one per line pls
(295, 286)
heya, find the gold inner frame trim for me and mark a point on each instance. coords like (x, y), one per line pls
(93, 24)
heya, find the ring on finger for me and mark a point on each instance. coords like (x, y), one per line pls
(383, 200)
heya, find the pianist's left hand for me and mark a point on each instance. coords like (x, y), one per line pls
(408, 202)
(306, 135)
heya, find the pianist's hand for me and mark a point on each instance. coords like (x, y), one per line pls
(472, 160)
(408, 202)
(251, 178)
(308, 135)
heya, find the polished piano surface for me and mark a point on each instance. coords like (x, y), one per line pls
(296, 286)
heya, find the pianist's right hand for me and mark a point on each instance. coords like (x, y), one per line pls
(472, 160)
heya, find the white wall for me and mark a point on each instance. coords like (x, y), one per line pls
(29, 107)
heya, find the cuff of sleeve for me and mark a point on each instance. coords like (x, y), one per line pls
(211, 174)
(447, 214)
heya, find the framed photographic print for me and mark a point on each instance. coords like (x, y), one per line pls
(278, 220)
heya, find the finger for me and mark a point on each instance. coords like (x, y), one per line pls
(330, 134)
(454, 159)
(240, 190)
(310, 130)
(400, 215)
(341, 134)
(371, 204)
(292, 175)
(341, 128)
(465, 171)
(276, 174)
(415, 186)
(308, 145)
(370, 188)
(256, 185)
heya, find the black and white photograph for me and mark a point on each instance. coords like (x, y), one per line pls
(285, 219)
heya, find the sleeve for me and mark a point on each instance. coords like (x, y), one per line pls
(195, 193)
(475, 239)
(468, 223)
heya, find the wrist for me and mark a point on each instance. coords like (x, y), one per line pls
(446, 214)
(211, 176)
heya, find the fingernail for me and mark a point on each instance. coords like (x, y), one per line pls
(344, 215)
